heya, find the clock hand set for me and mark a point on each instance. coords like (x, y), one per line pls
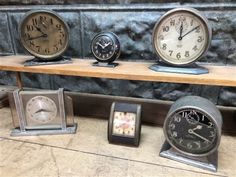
(39, 29)
(190, 31)
(181, 31)
(194, 133)
(42, 110)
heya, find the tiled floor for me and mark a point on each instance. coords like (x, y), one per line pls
(87, 153)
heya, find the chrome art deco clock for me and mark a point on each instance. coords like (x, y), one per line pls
(193, 130)
(41, 112)
(181, 36)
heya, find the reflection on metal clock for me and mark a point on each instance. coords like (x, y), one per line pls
(181, 36)
(41, 109)
(105, 47)
(124, 123)
(44, 34)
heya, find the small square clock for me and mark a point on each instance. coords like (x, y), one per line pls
(124, 125)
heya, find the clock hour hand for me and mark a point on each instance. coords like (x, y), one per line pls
(41, 110)
(39, 29)
(107, 44)
(32, 38)
(191, 30)
(101, 45)
(194, 133)
(181, 31)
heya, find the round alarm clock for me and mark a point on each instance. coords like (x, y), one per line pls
(105, 47)
(181, 36)
(193, 126)
(44, 34)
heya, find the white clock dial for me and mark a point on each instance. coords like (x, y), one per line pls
(181, 36)
(41, 109)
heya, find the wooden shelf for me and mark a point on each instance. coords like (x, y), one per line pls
(218, 75)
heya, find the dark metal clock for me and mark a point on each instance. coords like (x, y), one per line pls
(105, 47)
(193, 128)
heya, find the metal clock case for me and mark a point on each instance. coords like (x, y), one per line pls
(180, 38)
(41, 112)
(105, 47)
(193, 130)
(45, 35)
(124, 125)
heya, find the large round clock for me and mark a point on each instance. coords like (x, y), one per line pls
(105, 47)
(181, 36)
(193, 126)
(44, 34)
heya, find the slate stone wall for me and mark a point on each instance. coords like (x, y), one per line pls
(133, 23)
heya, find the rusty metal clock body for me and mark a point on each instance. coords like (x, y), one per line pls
(44, 34)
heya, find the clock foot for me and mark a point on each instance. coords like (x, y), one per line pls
(207, 162)
(192, 69)
(109, 65)
(37, 61)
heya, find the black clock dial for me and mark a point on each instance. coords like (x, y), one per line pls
(191, 131)
(105, 47)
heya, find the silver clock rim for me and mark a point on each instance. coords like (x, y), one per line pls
(218, 129)
(194, 12)
(44, 57)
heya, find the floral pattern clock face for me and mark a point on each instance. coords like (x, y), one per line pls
(124, 123)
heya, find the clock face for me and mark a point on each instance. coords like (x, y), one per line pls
(105, 47)
(191, 131)
(124, 123)
(41, 109)
(44, 34)
(181, 36)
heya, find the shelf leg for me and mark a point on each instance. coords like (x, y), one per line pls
(18, 80)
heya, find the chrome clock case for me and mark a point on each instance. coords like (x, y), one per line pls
(192, 129)
(41, 112)
(170, 23)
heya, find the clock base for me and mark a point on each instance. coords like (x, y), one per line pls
(68, 130)
(37, 61)
(109, 65)
(207, 162)
(192, 69)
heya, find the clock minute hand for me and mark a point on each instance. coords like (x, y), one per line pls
(192, 132)
(32, 38)
(191, 30)
(38, 29)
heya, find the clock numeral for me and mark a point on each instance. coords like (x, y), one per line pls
(59, 27)
(197, 30)
(170, 51)
(34, 21)
(178, 55)
(195, 48)
(38, 48)
(62, 35)
(172, 126)
(174, 134)
(47, 51)
(184, 114)
(203, 118)
(166, 28)
(55, 47)
(186, 54)
(27, 36)
(161, 37)
(210, 125)
(29, 27)
(60, 42)
(51, 21)
(42, 18)
(177, 119)
(189, 146)
(191, 23)
(212, 134)
(164, 46)
(172, 23)
(32, 43)
(200, 39)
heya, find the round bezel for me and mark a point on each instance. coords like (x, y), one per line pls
(65, 26)
(193, 12)
(202, 111)
(116, 44)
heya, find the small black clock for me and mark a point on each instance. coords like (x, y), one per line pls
(124, 125)
(105, 47)
(193, 130)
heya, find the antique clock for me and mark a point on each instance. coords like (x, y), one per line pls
(193, 130)
(124, 125)
(41, 112)
(181, 37)
(44, 34)
(105, 48)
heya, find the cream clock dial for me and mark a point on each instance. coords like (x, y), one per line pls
(181, 36)
(41, 109)
(124, 123)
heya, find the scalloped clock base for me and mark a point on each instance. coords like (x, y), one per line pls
(37, 61)
(109, 65)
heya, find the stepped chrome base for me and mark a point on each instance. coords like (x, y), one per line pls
(207, 163)
(192, 69)
(37, 61)
(35, 132)
(109, 65)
